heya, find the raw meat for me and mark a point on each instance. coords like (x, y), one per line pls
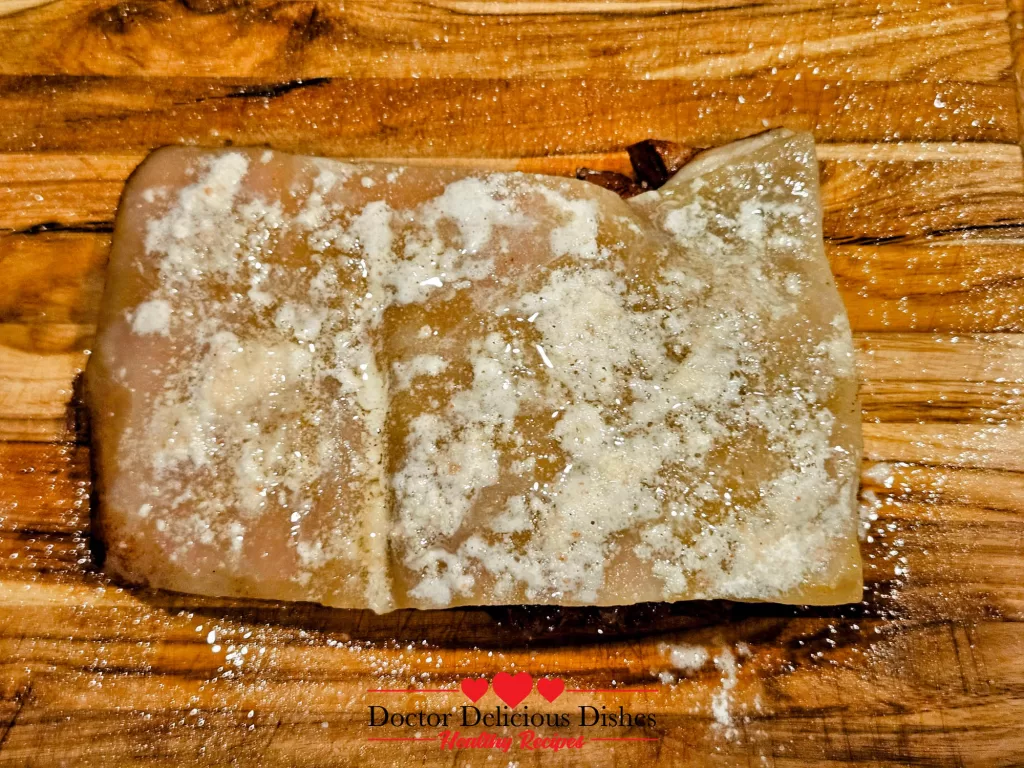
(376, 386)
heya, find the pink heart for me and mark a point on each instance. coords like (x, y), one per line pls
(512, 690)
(474, 688)
(550, 688)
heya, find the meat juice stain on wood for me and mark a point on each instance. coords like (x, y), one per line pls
(917, 106)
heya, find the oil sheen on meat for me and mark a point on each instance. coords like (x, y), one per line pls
(380, 386)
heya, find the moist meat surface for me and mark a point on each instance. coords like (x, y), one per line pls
(376, 386)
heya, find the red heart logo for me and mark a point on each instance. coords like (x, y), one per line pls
(550, 688)
(474, 689)
(512, 690)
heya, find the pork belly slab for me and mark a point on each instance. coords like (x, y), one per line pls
(380, 386)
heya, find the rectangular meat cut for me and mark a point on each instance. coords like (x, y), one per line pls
(380, 386)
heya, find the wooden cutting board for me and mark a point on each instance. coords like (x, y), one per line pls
(918, 114)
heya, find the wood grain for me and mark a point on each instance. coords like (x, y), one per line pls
(944, 284)
(8, 7)
(681, 39)
(215, 717)
(916, 104)
(52, 277)
(871, 194)
(1016, 24)
(523, 117)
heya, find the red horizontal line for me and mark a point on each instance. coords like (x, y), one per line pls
(402, 738)
(411, 690)
(611, 690)
(622, 738)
